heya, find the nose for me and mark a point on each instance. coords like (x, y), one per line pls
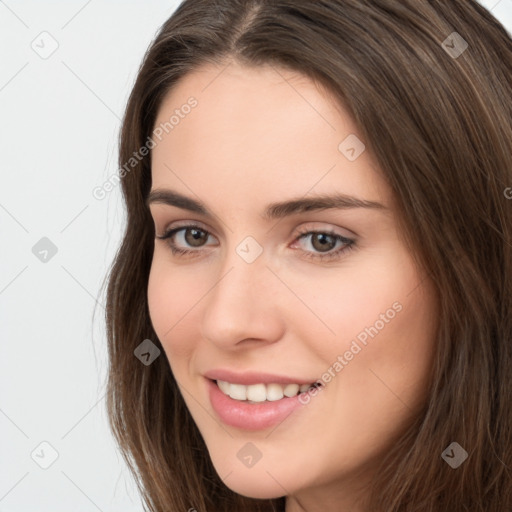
(243, 307)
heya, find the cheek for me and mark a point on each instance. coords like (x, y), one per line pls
(391, 368)
(351, 299)
(170, 301)
(382, 319)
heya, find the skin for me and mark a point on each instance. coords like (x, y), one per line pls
(257, 136)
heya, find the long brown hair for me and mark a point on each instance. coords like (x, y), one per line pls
(437, 116)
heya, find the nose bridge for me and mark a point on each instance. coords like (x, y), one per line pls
(238, 277)
(244, 266)
(239, 306)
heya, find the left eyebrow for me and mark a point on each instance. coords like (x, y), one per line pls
(273, 210)
(315, 203)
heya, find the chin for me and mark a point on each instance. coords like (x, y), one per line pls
(265, 480)
(262, 487)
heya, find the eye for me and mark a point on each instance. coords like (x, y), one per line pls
(325, 241)
(321, 241)
(192, 234)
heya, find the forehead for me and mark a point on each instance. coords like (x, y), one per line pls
(263, 126)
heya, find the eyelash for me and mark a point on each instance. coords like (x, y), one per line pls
(335, 255)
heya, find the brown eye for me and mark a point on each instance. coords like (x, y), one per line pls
(186, 240)
(323, 242)
(196, 236)
(322, 245)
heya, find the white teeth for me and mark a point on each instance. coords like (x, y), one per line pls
(291, 390)
(274, 392)
(260, 392)
(256, 393)
(224, 386)
(237, 391)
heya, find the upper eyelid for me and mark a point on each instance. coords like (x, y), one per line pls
(303, 231)
(189, 225)
(305, 225)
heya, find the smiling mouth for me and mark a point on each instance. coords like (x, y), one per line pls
(258, 393)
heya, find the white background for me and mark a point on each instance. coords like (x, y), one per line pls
(59, 122)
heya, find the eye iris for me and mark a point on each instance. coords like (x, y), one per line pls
(197, 236)
(322, 246)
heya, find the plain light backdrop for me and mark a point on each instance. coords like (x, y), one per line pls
(66, 70)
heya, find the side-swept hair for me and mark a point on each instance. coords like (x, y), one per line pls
(439, 123)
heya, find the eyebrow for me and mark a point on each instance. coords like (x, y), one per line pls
(273, 210)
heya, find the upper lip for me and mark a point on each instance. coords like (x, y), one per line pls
(253, 377)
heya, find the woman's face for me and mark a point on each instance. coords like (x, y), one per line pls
(277, 291)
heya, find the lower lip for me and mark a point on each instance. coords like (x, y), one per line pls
(250, 416)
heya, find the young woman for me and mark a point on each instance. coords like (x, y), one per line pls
(310, 308)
